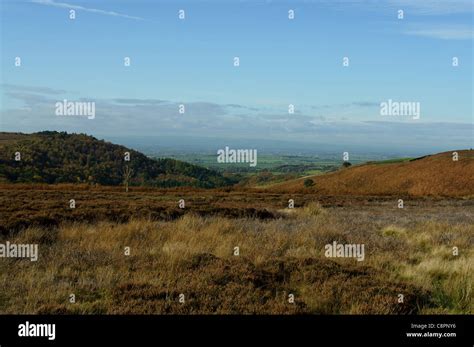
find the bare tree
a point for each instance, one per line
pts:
(127, 173)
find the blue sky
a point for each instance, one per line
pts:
(282, 61)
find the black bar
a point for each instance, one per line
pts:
(244, 330)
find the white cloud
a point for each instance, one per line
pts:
(155, 117)
(417, 7)
(434, 7)
(446, 33)
(82, 8)
(31, 89)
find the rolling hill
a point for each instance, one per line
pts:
(58, 157)
(433, 175)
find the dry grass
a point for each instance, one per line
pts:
(194, 256)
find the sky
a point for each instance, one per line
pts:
(283, 61)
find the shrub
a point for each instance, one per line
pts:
(308, 182)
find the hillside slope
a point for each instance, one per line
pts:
(58, 157)
(434, 175)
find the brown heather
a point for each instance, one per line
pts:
(433, 175)
(193, 255)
